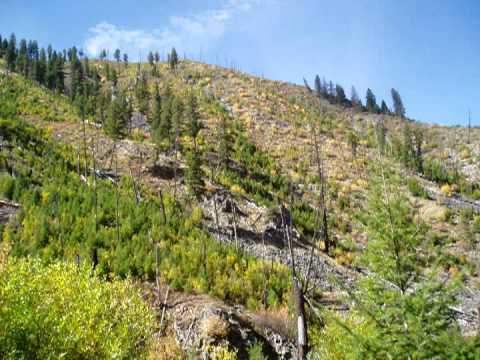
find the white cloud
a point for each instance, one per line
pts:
(187, 33)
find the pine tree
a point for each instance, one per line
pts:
(103, 54)
(117, 55)
(125, 60)
(405, 309)
(331, 90)
(155, 115)
(340, 97)
(117, 117)
(192, 117)
(371, 102)
(11, 52)
(177, 113)
(162, 130)
(224, 147)
(151, 58)
(318, 86)
(408, 150)
(381, 133)
(157, 57)
(76, 73)
(142, 94)
(398, 107)
(194, 174)
(418, 154)
(355, 99)
(42, 67)
(173, 59)
(384, 108)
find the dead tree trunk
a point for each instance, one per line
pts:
(78, 159)
(117, 195)
(234, 218)
(322, 199)
(162, 204)
(135, 189)
(215, 209)
(84, 141)
(298, 292)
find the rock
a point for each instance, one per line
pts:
(198, 325)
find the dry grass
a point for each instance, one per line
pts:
(167, 348)
(277, 320)
(215, 327)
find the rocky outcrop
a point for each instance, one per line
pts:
(200, 323)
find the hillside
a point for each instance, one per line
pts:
(286, 182)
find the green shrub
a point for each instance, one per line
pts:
(416, 188)
(7, 186)
(65, 311)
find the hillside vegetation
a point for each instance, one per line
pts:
(272, 196)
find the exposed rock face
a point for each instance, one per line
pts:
(259, 233)
(7, 210)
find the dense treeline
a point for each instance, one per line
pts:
(336, 94)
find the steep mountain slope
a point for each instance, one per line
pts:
(273, 160)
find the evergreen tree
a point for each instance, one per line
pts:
(114, 77)
(192, 117)
(177, 119)
(42, 67)
(2, 51)
(405, 310)
(4, 45)
(151, 58)
(11, 52)
(381, 132)
(331, 90)
(371, 102)
(21, 65)
(125, 60)
(117, 55)
(384, 108)
(318, 86)
(103, 54)
(408, 151)
(155, 115)
(340, 97)
(398, 107)
(157, 57)
(117, 117)
(355, 99)
(193, 173)
(162, 130)
(224, 146)
(142, 94)
(173, 59)
(418, 154)
(76, 73)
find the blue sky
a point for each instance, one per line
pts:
(428, 49)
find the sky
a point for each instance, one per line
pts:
(429, 50)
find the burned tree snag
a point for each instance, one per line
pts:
(322, 199)
(117, 194)
(298, 291)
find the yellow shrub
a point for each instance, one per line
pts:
(221, 353)
(237, 189)
(447, 190)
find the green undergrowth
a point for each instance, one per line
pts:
(57, 220)
(65, 311)
(22, 97)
